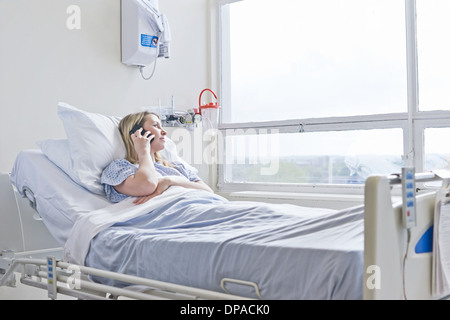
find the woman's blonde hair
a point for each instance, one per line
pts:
(125, 126)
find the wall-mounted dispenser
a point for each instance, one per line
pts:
(145, 33)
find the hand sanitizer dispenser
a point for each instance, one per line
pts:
(145, 32)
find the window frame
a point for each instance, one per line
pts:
(413, 122)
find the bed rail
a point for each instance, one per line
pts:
(73, 280)
(393, 268)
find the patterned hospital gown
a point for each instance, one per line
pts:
(118, 170)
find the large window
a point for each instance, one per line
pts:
(316, 58)
(329, 92)
(331, 157)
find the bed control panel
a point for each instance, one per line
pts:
(51, 274)
(409, 197)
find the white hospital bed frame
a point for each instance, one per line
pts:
(403, 273)
(385, 247)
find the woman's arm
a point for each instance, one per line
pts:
(145, 181)
(167, 181)
(183, 182)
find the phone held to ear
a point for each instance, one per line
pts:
(136, 128)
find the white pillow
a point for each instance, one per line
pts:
(57, 150)
(94, 142)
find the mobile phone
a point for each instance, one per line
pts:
(136, 128)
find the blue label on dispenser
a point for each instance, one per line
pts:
(149, 41)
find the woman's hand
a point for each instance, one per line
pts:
(164, 183)
(141, 142)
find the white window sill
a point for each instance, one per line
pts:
(322, 200)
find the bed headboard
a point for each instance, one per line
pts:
(21, 229)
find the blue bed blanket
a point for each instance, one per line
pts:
(197, 238)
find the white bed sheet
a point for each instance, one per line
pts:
(290, 252)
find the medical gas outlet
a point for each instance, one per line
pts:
(189, 119)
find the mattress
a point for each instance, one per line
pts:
(60, 200)
(199, 238)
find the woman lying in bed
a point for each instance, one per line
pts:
(144, 173)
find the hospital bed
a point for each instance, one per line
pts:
(194, 245)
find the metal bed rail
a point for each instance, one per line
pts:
(73, 280)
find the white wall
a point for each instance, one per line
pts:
(43, 62)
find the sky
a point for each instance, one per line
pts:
(320, 58)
